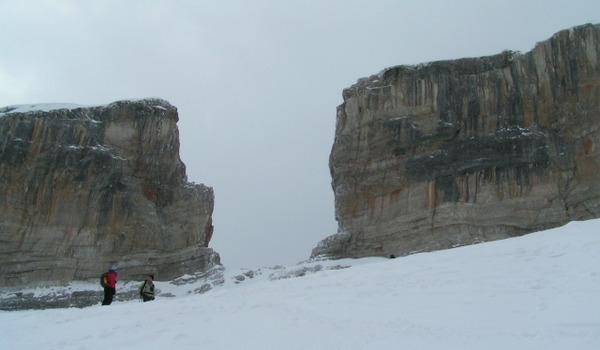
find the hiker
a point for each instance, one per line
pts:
(110, 287)
(147, 289)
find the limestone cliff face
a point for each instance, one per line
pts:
(82, 189)
(451, 153)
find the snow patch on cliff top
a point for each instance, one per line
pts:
(42, 107)
(47, 107)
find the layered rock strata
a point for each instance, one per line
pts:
(85, 188)
(451, 153)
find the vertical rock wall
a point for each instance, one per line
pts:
(82, 189)
(451, 153)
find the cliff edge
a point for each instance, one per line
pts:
(451, 153)
(85, 188)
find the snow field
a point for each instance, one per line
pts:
(539, 291)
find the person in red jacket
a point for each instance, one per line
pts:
(111, 289)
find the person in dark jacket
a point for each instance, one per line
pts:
(111, 288)
(147, 289)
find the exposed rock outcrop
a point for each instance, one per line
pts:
(85, 188)
(452, 153)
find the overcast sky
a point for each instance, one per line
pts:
(256, 84)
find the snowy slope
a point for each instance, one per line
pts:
(540, 291)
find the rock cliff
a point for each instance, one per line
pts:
(451, 153)
(85, 188)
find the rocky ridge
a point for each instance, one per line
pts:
(452, 153)
(85, 188)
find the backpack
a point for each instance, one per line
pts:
(104, 280)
